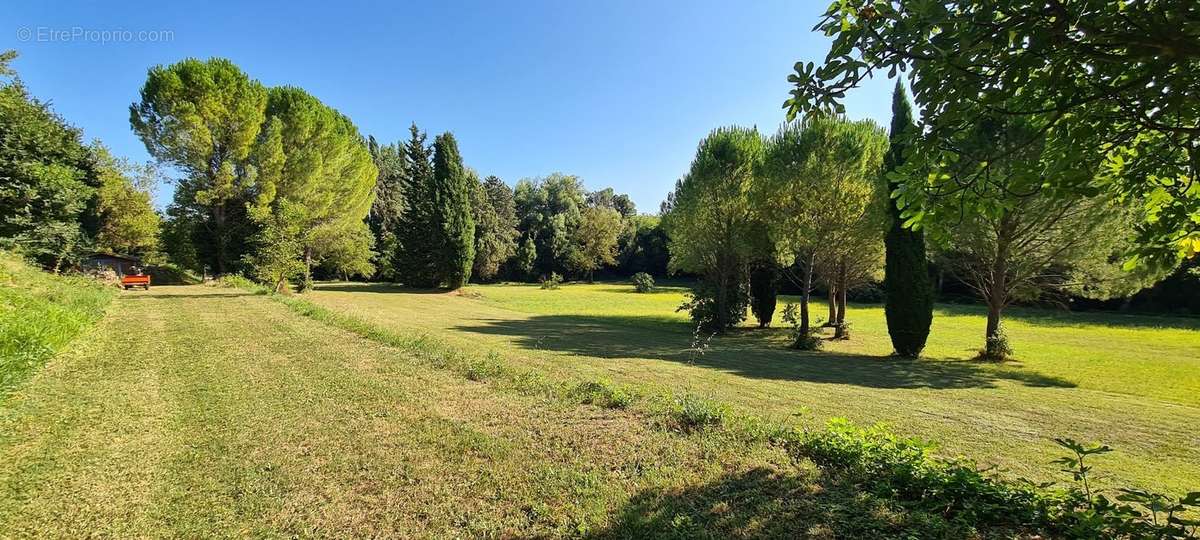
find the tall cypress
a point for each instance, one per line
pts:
(454, 249)
(909, 304)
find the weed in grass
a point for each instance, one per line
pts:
(694, 413)
(603, 394)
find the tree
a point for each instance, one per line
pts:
(595, 241)
(712, 221)
(550, 209)
(644, 249)
(203, 117)
(496, 232)
(610, 199)
(128, 223)
(764, 286)
(908, 305)
(1038, 241)
(526, 259)
(818, 196)
(387, 211)
(347, 252)
(278, 244)
(414, 263)
(1100, 84)
(47, 177)
(454, 234)
(313, 156)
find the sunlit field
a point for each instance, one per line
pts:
(1132, 382)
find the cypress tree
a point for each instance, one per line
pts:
(764, 281)
(454, 231)
(909, 304)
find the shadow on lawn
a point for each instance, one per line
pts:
(762, 503)
(749, 354)
(359, 287)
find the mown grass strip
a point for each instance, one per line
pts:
(900, 469)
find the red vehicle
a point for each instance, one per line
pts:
(136, 279)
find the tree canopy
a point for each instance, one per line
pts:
(712, 220)
(1108, 89)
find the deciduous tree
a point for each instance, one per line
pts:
(595, 240)
(1107, 88)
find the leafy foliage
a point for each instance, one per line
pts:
(552, 282)
(47, 177)
(819, 198)
(204, 117)
(128, 223)
(278, 245)
(1098, 82)
(595, 241)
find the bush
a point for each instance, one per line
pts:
(551, 283)
(803, 341)
(643, 282)
(703, 307)
(996, 348)
(871, 293)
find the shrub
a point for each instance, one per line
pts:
(703, 306)
(552, 282)
(803, 341)
(643, 282)
(996, 348)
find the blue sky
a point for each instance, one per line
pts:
(617, 92)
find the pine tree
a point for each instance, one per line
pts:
(387, 212)
(454, 230)
(413, 261)
(909, 304)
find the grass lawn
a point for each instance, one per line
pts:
(194, 412)
(1128, 381)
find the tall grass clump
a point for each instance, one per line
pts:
(40, 313)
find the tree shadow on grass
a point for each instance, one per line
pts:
(746, 354)
(148, 295)
(762, 503)
(1062, 318)
(388, 288)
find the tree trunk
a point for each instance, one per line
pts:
(219, 226)
(806, 295)
(839, 327)
(997, 296)
(833, 311)
(307, 284)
